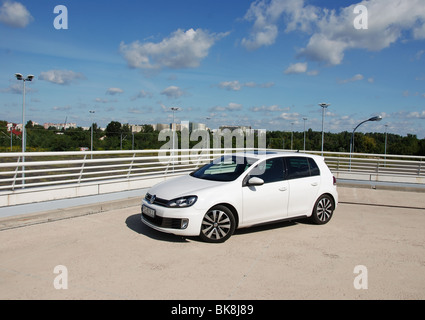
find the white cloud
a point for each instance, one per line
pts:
(236, 85)
(17, 88)
(232, 106)
(266, 15)
(100, 100)
(263, 108)
(296, 68)
(416, 114)
(142, 94)
(172, 92)
(332, 32)
(63, 77)
(15, 14)
(182, 49)
(289, 116)
(230, 85)
(356, 77)
(114, 91)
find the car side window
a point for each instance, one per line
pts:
(301, 167)
(270, 170)
(314, 169)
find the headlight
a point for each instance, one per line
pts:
(182, 202)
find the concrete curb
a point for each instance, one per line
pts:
(60, 214)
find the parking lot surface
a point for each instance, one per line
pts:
(373, 248)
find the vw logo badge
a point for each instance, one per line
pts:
(152, 199)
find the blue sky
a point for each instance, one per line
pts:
(265, 63)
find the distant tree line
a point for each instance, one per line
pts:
(118, 136)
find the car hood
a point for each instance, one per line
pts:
(182, 186)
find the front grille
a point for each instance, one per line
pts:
(171, 223)
(158, 201)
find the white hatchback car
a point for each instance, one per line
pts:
(242, 190)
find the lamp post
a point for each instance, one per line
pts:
(28, 78)
(324, 106)
(385, 147)
(91, 139)
(376, 118)
(173, 127)
(292, 136)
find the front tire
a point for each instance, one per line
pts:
(323, 210)
(218, 224)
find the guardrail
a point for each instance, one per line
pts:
(41, 176)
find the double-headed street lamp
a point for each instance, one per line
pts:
(28, 78)
(376, 118)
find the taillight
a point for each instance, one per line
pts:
(334, 180)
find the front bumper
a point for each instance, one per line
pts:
(178, 221)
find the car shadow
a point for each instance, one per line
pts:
(134, 223)
(267, 226)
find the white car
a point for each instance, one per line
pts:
(242, 190)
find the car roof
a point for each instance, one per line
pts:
(259, 154)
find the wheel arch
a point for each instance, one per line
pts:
(231, 208)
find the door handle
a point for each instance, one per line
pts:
(283, 189)
(315, 184)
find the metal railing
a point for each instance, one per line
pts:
(396, 165)
(56, 170)
(41, 169)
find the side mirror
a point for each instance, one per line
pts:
(255, 181)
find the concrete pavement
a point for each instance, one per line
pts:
(112, 255)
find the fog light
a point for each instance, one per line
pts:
(184, 223)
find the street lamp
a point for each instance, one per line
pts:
(385, 148)
(292, 136)
(376, 118)
(173, 128)
(91, 140)
(28, 78)
(305, 119)
(324, 106)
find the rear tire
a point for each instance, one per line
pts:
(218, 224)
(323, 210)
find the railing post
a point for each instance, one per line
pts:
(16, 174)
(82, 169)
(131, 166)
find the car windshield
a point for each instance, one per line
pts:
(226, 168)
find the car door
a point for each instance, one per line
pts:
(303, 176)
(269, 201)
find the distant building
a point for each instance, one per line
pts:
(14, 128)
(135, 128)
(138, 128)
(231, 128)
(161, 126)
(60, 126)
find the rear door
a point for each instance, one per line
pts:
(303, 176)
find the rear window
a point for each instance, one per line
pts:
(301, 167)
